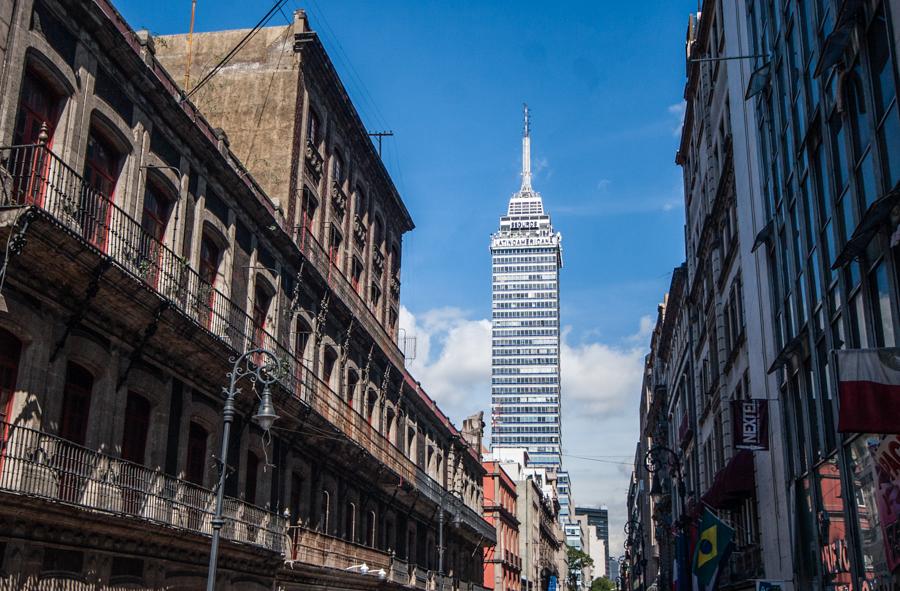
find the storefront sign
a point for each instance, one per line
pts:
(768, 586)
(887, 496)
(751, 424)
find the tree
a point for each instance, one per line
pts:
(602, 584)
(577, 561)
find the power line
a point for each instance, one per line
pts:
(240, 45)
(598, 460)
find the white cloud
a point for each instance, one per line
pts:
(598, 379)
(453, 359)
(600, 391)
(678, 109)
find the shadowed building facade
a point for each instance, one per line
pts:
(144, 256)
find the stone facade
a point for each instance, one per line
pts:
(144, 257)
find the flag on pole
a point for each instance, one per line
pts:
(869, 389)
(714, 544)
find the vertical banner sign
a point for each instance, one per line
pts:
(750, 424)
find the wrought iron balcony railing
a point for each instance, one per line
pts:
(37, 464)
(34, 176)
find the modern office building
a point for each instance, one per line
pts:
(527, 257)
(598, 520)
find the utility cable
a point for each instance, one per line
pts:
(240, 45)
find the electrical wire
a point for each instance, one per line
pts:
(240, 45)
(590, 459)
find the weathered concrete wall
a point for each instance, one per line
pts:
(253, 98)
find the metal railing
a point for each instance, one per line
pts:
(37, 464)
(34, 176)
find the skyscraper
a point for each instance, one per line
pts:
(525, 391)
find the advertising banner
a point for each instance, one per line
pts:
(750, 424)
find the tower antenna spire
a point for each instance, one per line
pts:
(526, 153)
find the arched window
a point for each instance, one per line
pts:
(390, 425)
(252, 476)
(296, 497)
(371, 402)
(210, 259)
(411, 544)
(261, 302)
(325, 512)
(377, 234)
(76, 405)
(157, 208)
(308, 207)
(361, 203)
(328, 363)
(411, 443)
(389, 530)
(137, 427)
(313, 129)
(154, 219)
(39, 105)
(350, 522)
(352, 382)
(370, 529)
(195, 466)
(337, 169)
(302, 340)
(395, 260)
(101, 173)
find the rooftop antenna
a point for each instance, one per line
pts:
(190, 40)
(526, 153)
(407, 344)
(380, 135)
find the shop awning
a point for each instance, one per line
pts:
(733, 483)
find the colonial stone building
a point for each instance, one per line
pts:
(142, 256)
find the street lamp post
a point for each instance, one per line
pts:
(657, 459)
(660, 457)
(265, 372)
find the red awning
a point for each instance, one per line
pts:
(733, 483)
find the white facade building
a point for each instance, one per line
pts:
(525, 393)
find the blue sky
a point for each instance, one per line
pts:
(604, 82)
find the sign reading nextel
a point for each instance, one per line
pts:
(751, 424)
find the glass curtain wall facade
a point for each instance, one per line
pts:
(829, 135)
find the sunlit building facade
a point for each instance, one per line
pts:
(527, 256)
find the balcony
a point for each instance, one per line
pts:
(338, 199)
(36, 182)
(36, 464)
(395, 287)
(359, 230)
(314, 160)
(378, 262)
(308, 547)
